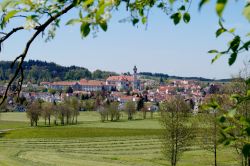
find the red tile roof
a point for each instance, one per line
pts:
(44, 83)
(120, 78)
(64, 83)
(91, 82)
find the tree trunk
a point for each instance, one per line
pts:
(67, 119)
(144, 114)
(62, 120)
(73, 119)
(49, 120)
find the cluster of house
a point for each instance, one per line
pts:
(113, 83)
(125, 88)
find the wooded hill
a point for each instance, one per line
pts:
(37, 71)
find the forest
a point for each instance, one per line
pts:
(37, 71)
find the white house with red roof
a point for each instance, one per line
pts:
(82, 85)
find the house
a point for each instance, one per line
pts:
(82, 85)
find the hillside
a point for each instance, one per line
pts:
(37, 71)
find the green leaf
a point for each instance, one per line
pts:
(161, 5)
(246, 150)
(248, 93)
(182, 8)
(88, 3)
(235, 43)
(100, 11)
(5, 4)
(232, 58)
(186, 17)
(213, 104)
(144, 20)
(203, 2)
(85, 29)
(73, 21)
(135, 21)
(141, 12)
(10, 14)
(232, 30)
(231, 113)
(171, 1)
(80, 14)
(176, 17)
(246, 12)
(103, 25)
(220, 31)
(248, 81)
(222, 119)
(220, 6)
(213, 51)
(216, 57)
(245, 46)
(248, 131)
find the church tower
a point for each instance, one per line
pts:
(135, 86)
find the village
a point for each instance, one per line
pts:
(122, 88)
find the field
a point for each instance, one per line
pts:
(93, 143)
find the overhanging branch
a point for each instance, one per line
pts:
(39, 29)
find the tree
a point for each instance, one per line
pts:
(69, 90)
(140, 104)
(47, 111)
(63, 112)
(177, 134)
(130, 109)
(144, 112)
(52, 91)
(113, 111)
(235, 122)
(56, 113)
(214, 106)
(103, 112)
(75, 104)
(34, 112)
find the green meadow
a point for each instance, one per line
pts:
(93, 143)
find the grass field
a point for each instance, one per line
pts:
(92, 143)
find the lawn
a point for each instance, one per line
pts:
(93, 143)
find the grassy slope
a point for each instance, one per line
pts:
(92, 143)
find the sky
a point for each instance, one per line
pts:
(163, 47)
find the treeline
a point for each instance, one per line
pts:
(158, 75)
(166, 76)
(66, 113)
(37, 71)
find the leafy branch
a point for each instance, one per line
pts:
(21, 57)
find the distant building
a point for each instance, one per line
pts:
(125, 82)
(82, 85)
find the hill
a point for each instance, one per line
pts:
(37, 71)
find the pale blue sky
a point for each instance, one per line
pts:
(176, 50)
